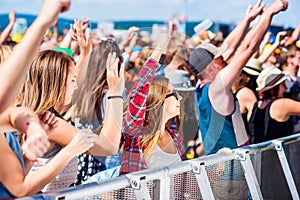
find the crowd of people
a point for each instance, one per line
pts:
(83, 106)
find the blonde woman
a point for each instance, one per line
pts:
(55, 74)
(152, 102)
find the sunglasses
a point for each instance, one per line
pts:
(175, 94)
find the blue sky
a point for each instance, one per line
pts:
(226, 11)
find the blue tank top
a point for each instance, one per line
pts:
(216, 130)
(13, 141)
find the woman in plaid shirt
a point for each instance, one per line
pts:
(148, 143)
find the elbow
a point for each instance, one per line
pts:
(21, 192)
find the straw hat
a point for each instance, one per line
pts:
(269, 78)
(253, 67)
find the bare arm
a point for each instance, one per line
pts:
(20, 185)
(282, 109)
(26, 121)
(279, 40)
(13, 71)
(294, 36)
(6, 32)
(220, 89)
(234, 39)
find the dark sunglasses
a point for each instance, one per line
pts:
(175, 94)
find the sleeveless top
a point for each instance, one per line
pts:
(13, 141)
(217, 131)
(264, 128)
(158, 155)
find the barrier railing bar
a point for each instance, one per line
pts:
(202, 180)
(164, 192)
(156, 174)
(139, 185)
(250, 175)
(279, 147)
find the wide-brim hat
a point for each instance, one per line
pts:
(253, 67)
(269, 78)
(180, 80)
(204, 54)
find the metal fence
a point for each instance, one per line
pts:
(269, 170)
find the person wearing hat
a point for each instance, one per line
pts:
(244, 89)
(217, 109)
(271, 114)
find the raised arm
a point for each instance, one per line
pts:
(279, 40)
(13, 71)
(6, 32)
(234, 39)
(110, 135)
(220, 91)
(294, 36)
(135, 115)
(85, 45)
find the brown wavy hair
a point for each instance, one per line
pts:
(89, 107)
(45, 86)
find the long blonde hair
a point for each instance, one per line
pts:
(5, 52)
(154, 112)
(45, 87)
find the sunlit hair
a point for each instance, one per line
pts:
(5, 51)
(154, 112)
(45, 87)
(89, 106)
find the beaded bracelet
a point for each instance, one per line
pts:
(27, 123)
(115, 97)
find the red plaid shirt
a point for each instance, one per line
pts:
(134, 128)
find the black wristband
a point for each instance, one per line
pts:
(114, 97)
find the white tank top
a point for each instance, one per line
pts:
(159, 158)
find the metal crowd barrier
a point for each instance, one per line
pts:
(269, 170)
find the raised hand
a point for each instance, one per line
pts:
(12, 16)
(278, 6)
(36, 143)
(256, 10)
(115, 77)
(280, 39)
(50, 10)
(82, 142)
(84, 40)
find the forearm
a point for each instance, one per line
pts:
(21, 117)
(234, 39)
(6, 32)
(294, 36)
(13, 71)
(256, 34)
(110, 135)
(266, 54)
(36, 180)
(66, 43)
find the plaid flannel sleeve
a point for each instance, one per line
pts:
(135, 115)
